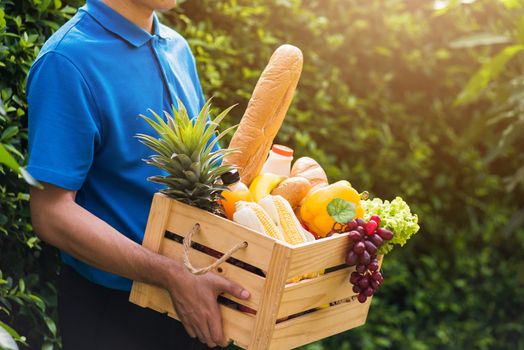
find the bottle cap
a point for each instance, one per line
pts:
(230, 177)
(282, 150)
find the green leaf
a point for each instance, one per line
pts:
(51, 325)
(7, 337)
(488, 72)
(2, 110)
(8, 159)
(9, 133)
(341, 210)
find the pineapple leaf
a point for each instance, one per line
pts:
(183, 148)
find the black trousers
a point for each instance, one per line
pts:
(95, 317)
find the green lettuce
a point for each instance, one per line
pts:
(396, 217)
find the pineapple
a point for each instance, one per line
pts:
(184, 150)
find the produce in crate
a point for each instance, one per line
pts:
(236, 191)
(263, 184)
(273, 216)
(265, 112)
(367, 239)
(314, 213)
(184, 150)
(253, 216)
(282, 214)
(395, 216)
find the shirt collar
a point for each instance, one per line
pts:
(121, 26)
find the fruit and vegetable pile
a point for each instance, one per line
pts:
(296, 216)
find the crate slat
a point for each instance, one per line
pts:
(315, 292)
(273, 289)
(317, 255)
(237, 325)
(319, 324)
(250, 281)
(221, 234)
(156, 222)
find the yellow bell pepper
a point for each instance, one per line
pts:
(314, 209)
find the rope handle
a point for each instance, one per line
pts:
(203, 270)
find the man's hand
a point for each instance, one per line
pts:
(195, 301)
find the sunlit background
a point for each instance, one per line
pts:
(421, 99)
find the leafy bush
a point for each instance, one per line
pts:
(375, 105)
(27, 269)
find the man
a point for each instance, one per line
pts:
(111, 62)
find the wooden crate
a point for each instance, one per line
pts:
(271, 296)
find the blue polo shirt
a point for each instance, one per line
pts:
(85, 90)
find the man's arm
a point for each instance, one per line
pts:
(59, 221)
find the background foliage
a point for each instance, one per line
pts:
(402, 97)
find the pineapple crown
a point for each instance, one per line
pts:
(184, 149)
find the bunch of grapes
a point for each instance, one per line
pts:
(365, 239)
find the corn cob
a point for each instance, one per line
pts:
(281, 212)
(252, 215)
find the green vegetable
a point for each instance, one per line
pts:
(396, 217)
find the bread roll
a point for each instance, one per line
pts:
(293, 189)
(265, 112)
(309, 168)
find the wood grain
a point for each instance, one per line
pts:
(319, 324)
(153, 236)
(250, 281)
(318, 255)
(221, 234)
(315, 292)
(271, 296)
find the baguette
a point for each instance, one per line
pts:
(265, 112)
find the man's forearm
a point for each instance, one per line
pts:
(76, 231)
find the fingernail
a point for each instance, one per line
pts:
(244, 294)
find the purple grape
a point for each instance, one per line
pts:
(355, 277)
(351, 258)
(369, 292)
(362, 231)
(370, 247)
(374, 284)
(351, 225)
(377, 276)
(354, 236)
(361, 268)
(385, 234)
(361, 222)
(362, 298)
(363, 283)
(359, 248)
(376, 240)
(356, 289)
(373, 265)
(364, 258)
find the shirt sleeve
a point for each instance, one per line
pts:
(63, 128)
